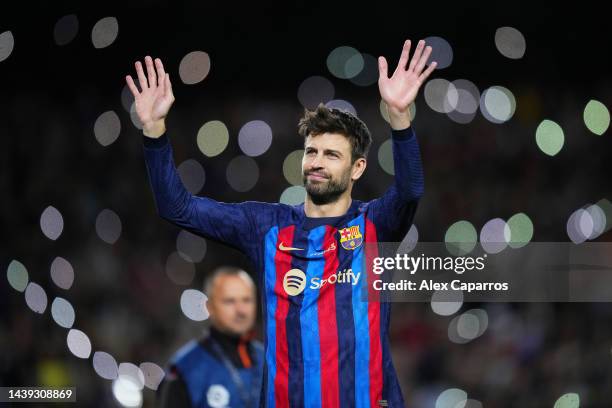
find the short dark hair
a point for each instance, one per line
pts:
(324, 119)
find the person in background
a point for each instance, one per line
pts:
(225, 367)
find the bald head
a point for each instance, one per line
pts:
(225, 271)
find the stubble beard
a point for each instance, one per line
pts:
(328, 191)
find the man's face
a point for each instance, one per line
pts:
(326, 166)
(232, 304)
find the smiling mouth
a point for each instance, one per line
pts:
(315, 176)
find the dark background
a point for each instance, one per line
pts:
(50, 97)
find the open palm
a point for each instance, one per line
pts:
(401, 89)
(155, 97)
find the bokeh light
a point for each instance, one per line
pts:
(127, 99)
(441, 95)
(105, 365)
(134, 117)
(213, 138)
(132, 371)
(596, 117)
(255, 138)
(572, 231)
(342, 105)
(293, 195)
(510, 42)
(104, 32)
(599, 220)
(441, 52)
(569, 400)
(194, 67)
(190, 247)
(107, 128)
(126, 392)
(497, 104)
(314, 90)
(471, 324)
(385, 156)
(7, 43)
(460, 238)
(51, 223)
(369, 74)
(550, 137)
(521, 230)
(586, 223)
(127, 388)
(193, 305)
(579, 226)
(483, 320)
(468, 101)
(451, 398)
(36, 298)
(17, 275)
(345, 62)
(62, 273)
(453, 333)
(108, 226)
(446, 302)
(494, 236)
(192, 175)
(78, 343)
(354, 66)
(242, 173)
(180, 271)
(468, 326)
(410, 241)
(66, 29)
(62, 312)
(292, 167)
(153, 374)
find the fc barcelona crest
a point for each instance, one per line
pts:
(351, 237)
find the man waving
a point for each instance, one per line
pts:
(326, 345)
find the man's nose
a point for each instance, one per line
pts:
(241, 309)
(316, 162)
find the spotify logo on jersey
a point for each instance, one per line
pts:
(294, 282)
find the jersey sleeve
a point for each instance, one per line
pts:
(393, 213)
(229, 223)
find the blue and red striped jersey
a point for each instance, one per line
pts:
(326, 335)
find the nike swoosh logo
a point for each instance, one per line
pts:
(282, 247)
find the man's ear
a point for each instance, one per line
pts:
(358, 168)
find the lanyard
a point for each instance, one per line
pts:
(246, 396)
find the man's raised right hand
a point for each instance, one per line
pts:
(154, 99)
